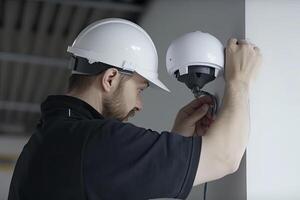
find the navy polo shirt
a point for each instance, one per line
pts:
(102, 158)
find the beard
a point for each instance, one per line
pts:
(114, 106)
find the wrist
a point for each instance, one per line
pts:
(237, 85)
(181, 132)
(236, 94)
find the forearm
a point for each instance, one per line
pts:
(230, 132)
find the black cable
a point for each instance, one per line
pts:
(198, 93)
(204, 193)
(215, 101)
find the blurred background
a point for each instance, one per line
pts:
(33, 60)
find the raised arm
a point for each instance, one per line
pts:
(226, 140)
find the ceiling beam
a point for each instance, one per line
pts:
(20, 106)
(33, 59)
(111, 5)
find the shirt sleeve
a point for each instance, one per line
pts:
(123, 161)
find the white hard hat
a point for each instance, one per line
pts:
(195, 49)
(118, 43)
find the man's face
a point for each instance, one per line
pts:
(126, 99)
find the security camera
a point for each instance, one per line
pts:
(196, 59)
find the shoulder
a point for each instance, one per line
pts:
(112, 131)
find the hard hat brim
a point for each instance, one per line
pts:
(160, 85)
(154, 80)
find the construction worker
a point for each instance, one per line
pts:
(83, 148)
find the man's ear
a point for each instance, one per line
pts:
(110, 79)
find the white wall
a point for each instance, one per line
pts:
(273, 156)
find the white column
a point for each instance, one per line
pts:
(273, 156)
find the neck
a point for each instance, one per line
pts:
(93, 98)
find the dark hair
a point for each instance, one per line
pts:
(82, 82)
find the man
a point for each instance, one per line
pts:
(83, 149)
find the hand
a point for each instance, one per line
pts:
(191, 116)
(242, 61)
(203, 124)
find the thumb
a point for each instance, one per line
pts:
(199, 113)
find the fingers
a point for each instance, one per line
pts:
(196, 103)
(199, 113)
(243, 42)
(232, 42)
(203, 125)
(250, 44)
(257, 50)
(201, 128)
(246, 44)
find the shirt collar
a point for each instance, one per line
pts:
(57, 104)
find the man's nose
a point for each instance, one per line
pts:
(139, 105)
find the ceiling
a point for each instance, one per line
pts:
(34, 35)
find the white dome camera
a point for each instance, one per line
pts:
(196, 59)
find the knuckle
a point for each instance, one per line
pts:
(231, 41)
